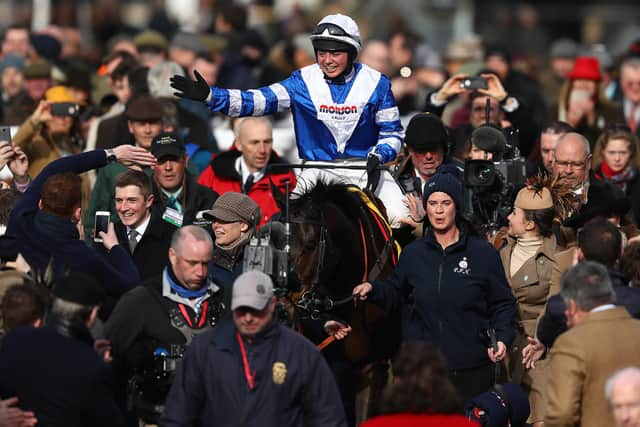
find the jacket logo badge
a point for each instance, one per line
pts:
(463, 267)
(279, 371)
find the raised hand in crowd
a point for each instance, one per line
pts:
(133, 156)
(10, 416)
(6, 153)
(581, 105)
(42, 113)
(494, 87)
(19, 166)
(453, 86)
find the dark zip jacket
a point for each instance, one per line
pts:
(451, 297)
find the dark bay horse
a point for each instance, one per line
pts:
(339, 239)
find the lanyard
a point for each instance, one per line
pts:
(245, 363)
(203, 314)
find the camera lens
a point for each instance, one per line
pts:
(484, 174)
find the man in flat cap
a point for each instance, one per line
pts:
(160, 317)
(72, 385)
(272, 375)
(144, 118)
(234, 218)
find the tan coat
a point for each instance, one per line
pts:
(581, 361)
(530, 286)
(40, 147)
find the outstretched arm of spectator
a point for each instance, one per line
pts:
(12, 416)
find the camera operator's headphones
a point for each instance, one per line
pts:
(426, 131)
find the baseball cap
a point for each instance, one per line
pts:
(167, 144)
(253, 289)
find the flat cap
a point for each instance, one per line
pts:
(144, 107)
(233, 207)
(150, 39)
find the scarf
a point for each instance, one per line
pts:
(523, 250)
(181, 290)
(619, 179)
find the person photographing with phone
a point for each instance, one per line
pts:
(51, 131)
(582, 102)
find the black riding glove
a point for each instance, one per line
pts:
(373, 172)
(197, 90)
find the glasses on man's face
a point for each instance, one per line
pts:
(566, 164)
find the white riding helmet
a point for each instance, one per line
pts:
(337, 33)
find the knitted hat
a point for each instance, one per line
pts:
(233, 207)
(144, 107)
(586, 68)
(532, 199)
(11, 60)
(563, 48)
(426, 132)
(252, 289)
(79, 288)
(445, 180)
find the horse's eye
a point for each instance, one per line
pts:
(308, 246)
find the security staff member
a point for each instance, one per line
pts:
(161, 316)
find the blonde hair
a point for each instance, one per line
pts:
(617, 133)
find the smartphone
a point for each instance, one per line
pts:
(102, 224)
(5, 134)
(579, 95)
(64, 109)
(475, 82)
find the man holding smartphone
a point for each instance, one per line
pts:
(46, 220)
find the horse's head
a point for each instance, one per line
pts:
(322, 235)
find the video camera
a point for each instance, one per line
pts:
(148, 389)
(493, 183)
(268, 252)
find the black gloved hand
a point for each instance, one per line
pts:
(373, 172)
(197, 90)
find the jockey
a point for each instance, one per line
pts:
(344, 112)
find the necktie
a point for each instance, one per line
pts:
(632, 122)
(171, 202)
(248, 184)
(133, 241)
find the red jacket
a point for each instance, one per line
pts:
(221, 176)
(420, 420)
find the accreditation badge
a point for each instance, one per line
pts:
(279, 371)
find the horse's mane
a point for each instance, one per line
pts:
(314, 199)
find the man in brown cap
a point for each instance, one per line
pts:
(144, 116)
(234, 219)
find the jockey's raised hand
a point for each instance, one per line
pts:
(197, 89)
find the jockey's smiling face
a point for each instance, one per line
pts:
(332, 63)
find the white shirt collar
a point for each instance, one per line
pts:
(141, 228)
(243, 170)
(603, 308)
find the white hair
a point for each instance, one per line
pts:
(585, 142)
(631, 373)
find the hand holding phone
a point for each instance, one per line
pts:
(101, 224)
(473, 83)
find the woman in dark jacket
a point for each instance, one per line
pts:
(451, 290)
(234, 218)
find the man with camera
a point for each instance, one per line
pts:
(152, 324)
(251, 370)
(49, 133)
(504, 108)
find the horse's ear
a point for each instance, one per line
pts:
(279, 196)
